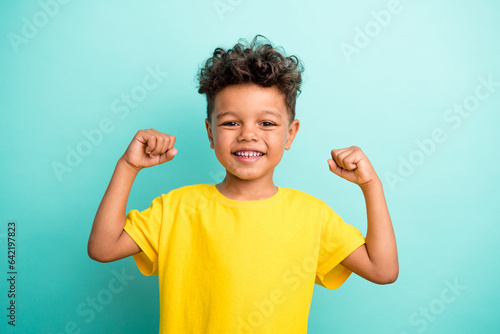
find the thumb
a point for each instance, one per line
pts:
(171, 153)
(167, 156)
(334, 168)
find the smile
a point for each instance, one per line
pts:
(248, 157)
(248, 154)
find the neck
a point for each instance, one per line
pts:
(247, 190)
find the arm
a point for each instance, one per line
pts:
(108, 241)
(377, 259)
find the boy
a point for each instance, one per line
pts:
(242, 256)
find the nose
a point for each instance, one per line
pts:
(248, 132)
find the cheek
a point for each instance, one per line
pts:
(281, 139)
(275, 142)
(221, 140)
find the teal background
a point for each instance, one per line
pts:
(395, 91)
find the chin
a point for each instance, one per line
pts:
(247, 177)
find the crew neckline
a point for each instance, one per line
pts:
(245, 204)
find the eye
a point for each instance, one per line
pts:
(267, 124)
(230, 123)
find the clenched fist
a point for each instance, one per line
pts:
(353, 165)
(150, 148)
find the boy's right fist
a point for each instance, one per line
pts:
(149, 148)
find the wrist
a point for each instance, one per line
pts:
(374, 184)
(124, 164)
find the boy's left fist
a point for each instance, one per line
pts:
(353, 165)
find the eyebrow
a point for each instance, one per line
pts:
(229, 113)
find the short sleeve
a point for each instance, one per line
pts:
(144, 228)
(338, 240)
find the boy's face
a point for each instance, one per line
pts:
(250, 129)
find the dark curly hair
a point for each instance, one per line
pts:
(259, 63)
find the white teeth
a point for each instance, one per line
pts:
(249, 154)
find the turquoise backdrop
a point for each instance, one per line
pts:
(415, 84)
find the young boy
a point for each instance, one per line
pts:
(242, 256)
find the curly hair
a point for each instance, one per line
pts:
(259, 63)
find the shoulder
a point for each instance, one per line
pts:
(294, 195)
(194, 188)
(306, 205)
(190, 192)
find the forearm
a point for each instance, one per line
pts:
(380, 238)
(111, 214)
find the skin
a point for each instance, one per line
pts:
(247, 116)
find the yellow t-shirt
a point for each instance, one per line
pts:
(228, 266)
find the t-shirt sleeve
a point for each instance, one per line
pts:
(338, 240)
(144, 228)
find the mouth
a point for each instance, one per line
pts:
(248, 156)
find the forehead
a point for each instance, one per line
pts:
(249, 99)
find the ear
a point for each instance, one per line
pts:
(209, 133)
(292, 131)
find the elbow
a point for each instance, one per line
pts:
(97, 255)
(388, 277)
